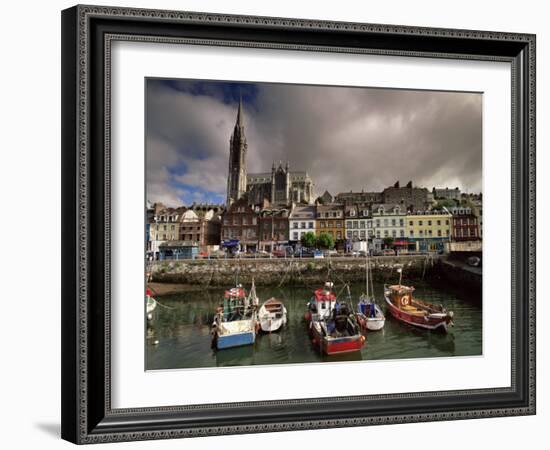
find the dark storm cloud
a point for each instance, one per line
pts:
(346, 138)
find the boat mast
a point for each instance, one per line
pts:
(367, 273)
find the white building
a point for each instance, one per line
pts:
(301, 221)
(389, 221)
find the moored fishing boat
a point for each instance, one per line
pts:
(272, 315)
(332, 325)
(235, 322)
(405, 308)
(369, 314)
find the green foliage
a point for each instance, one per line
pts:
(388, 242)
(309, 240)
(325, 240)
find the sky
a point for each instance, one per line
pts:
(346, 138)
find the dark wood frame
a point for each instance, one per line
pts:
(87, 32)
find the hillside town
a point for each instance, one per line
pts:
(277, 213)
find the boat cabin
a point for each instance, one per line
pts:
(235, 304)
(323, 302)
(401, 296)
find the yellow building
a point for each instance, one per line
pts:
(428, 231)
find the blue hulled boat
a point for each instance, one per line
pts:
(235, 323)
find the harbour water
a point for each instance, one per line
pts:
(179, 334)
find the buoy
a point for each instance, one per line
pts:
(156, 342)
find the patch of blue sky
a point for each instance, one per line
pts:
(227, 92)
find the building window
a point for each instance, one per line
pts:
(348, 234)
(386, 234)
(377, 223)
(401, 223)
(410, 223)
(295, 234)
(420, 222)
(339, 235)
(362, 234)
(439, 233)
(411, 233)
(393, 222)
(394, 233)
(349, 224)
(310, 225)
(362, 224)
(338, 224)
(439, 222)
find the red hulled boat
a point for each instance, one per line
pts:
(415, 312)
(332, 325)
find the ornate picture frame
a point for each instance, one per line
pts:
(87, 35)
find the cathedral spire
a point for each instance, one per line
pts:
(240, 118)
(236, 179)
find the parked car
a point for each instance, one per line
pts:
(318, 254)
(474, 261)
(279, 253)
(388, 252)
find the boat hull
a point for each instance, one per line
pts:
(271, 325)
(336, 345)
(436, 322)
(235, 340)
(375, 324)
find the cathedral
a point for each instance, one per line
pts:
(281, 186)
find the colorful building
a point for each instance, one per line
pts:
(330, 220)
(389, 221)
(163, 227)
(358, 222)
(239, 228)
(301, 221)
(429, 230)
(465, 226)
(273, 228)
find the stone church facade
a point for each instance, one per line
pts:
(281, 186)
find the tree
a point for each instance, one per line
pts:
(309, 240)
(325, 240)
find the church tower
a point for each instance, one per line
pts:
(236, 177)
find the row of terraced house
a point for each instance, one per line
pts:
(203, 229)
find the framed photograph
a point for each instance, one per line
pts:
(283, 224)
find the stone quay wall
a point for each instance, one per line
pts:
(297, 271)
